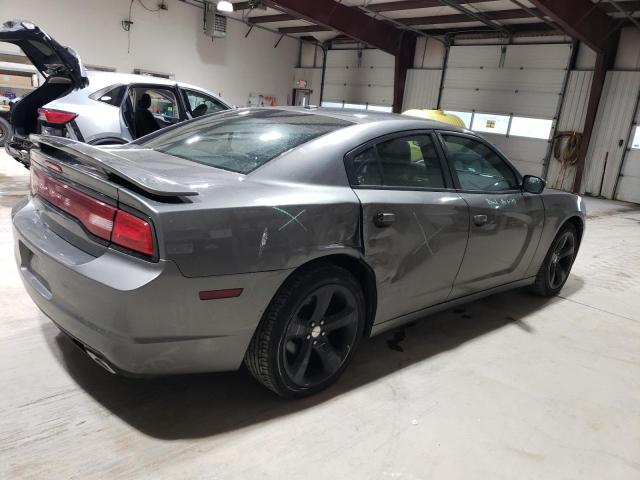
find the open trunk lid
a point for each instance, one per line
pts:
(61, 66)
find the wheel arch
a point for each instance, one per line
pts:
(363, 273)
(578, 223)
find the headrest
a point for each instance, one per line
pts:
(144, 101)
(395, 151)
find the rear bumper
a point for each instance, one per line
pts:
(141, 318)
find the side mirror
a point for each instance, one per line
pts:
(533, 184)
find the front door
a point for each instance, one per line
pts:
(414, 226)
(505, 223)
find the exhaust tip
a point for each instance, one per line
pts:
(100, 362)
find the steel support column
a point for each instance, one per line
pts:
(403, 62)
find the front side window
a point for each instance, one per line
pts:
(410, 161)
(477, 166)
(242, 140)
(200, 104)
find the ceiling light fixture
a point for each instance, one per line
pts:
(224, 6)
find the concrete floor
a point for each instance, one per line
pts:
(512, 386)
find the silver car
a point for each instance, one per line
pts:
(278, 238)
(100, 108)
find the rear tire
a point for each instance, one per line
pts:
(5, 131)
(556, 267)
(309, 332)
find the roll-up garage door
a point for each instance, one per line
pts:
(518, 80)
(629, 183)
(362, 77)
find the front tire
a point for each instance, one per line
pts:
(309, 332)
(557, 264)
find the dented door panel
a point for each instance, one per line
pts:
(417, 256)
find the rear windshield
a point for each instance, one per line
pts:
(241, 141)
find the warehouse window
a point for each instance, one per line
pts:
(530, 127)
(379, 108)
(331, 104)
(486, 122)
(356, 106)
(464, 116)
(635, 144)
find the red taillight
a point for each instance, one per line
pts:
(57, 117)
(96, 216)
(101, 219)
(132, 232)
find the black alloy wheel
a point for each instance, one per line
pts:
(309, 332)
(556, 267)
(561, 260)
(320, 335)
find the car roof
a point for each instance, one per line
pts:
(98, 80)
(355, 116)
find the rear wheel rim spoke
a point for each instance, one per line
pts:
(299, 368)
(339, 320)
(319, 335)
(329, 356)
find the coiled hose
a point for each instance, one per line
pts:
(565, 150)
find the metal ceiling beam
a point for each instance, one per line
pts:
(429, 20)
(302, 28)
(533, 12)
(519, 29)
(281, 17)
(626, 13)
(462, 18)
(350, 21)
(582, 20)
(385, 6)
(480, 17)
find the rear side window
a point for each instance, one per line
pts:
(112, 95)
(410, 162)
(241, 141)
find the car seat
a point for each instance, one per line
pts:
(145, 121)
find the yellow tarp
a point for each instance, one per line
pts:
(436, 115)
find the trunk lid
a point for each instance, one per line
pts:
(138, 180)
(60, 65)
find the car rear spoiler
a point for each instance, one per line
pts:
(112, 164)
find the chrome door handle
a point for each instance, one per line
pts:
(479, 220)
(384, 219)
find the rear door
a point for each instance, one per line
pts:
(414, 226)
(505, 223)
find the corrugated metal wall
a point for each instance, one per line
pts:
(574, 111)
(629, 184)
(422, 88)
(359, 76)
(610, 132)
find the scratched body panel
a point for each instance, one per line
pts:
(499, 251)
(283, 231)
(416, 258)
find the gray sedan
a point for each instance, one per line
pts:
(278, 238)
